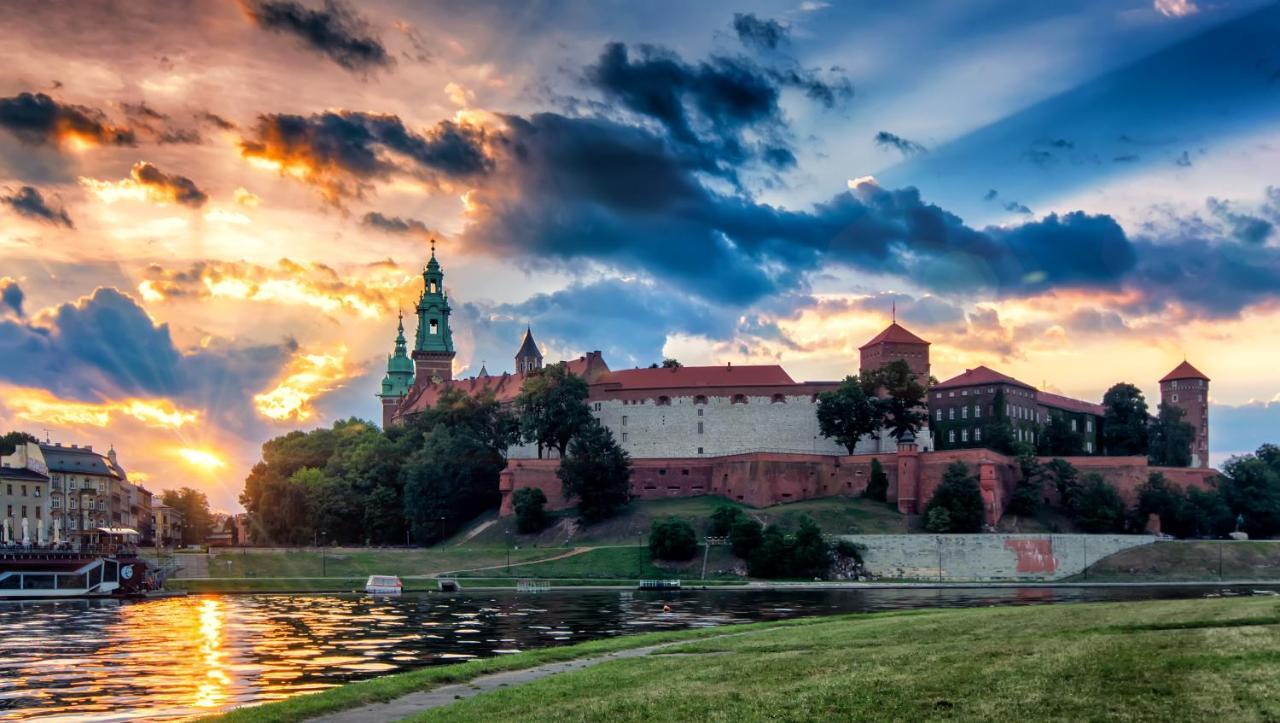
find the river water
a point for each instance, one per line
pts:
(183, 657)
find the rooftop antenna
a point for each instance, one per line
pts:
(46, 436)
(895, 311)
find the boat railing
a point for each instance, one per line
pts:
(64, 550)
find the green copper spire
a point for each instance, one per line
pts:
(433, 311)
(399, 376)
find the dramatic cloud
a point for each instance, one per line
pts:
(1243, 227)
(885, 139)
(150, 123)
(306, 377)
(36, 120)
(148, 183)
(760, 34)
(335, 32)
(39, 406)
(395, 224)
(11, 295)
(342, 152)
(1176, 8)
(368, 292)
(28, 202)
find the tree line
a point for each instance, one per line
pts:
(424, 479)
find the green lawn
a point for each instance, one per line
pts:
(1191, 560)
(358, 562)
(1157, 661)
(628, 563)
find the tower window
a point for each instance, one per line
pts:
(1175, 397)
(435, 326)
(739, 399)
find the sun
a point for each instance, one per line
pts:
(202, 458)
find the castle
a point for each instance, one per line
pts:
(751, 432)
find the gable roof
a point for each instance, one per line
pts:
(505, 388)
(757, 375)
(1057, 401)
(1184, 371)
(895, 333)
(978, 376)
(23, 474)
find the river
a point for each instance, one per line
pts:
(183, 657)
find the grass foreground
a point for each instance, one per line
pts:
(1152, 660)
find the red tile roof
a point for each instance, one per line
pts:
(978, 376)
(1057, 401)
(697, 377)
(1184, 371)
(504, 387)
(895, 333)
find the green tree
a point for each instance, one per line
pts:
(597, 472)
(193, 505)
(1125, 422)
(722, 520)
(810, 554)
(529, 504)
(904, 408)
(1057, 439)
(1171, 437)
(745, 536)
(772, 557)
(450, 480)
(1158, 496)
(1096, 506)
(552, 408)
(1207, 514)
(1029, 491)
(938, 520)
(960, 495)
(1250, 487)
(997, 431)
(849, 412)
(9, 442)
(1064, 477)
(878, 486)
(672, 539)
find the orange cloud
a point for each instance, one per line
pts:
(148, 183)
(38, 405)
(306, 377)
(203, 459)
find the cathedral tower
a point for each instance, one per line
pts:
(528, 358)
(433, 344)
(399, 378)
(1188, 389)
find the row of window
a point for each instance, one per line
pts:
(665, 401)
(35, 492)
(39, 512)
(1188, 384)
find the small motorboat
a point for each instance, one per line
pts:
(383, 585)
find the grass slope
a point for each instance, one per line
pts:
(1191, 560)
(1166, 660)
(359, 562)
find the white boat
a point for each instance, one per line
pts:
(383, 585)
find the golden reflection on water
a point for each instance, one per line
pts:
(213, 689)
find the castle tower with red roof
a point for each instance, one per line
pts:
(1188, 389)
(894, 343)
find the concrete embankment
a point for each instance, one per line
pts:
(987, 557)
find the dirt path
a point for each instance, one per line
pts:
(413, 703)
(570, 553)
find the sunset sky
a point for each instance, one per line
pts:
(210, 212)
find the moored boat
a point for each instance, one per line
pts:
(383, 585)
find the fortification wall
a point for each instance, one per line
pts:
(987, 557)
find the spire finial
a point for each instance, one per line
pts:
(433, 248)
(895, 311)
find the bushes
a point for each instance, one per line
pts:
(878, 485)
(672, 539)
(960, 497)
(745, 536)
(530, 515)
(1096, 506)
(722, 520)
(771, 553)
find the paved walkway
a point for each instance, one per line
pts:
(414, 703)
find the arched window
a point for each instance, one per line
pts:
(435, 326)
(700, 399)
(778, 399)
(663, 401)
(739, 399)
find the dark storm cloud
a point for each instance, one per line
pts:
(1208, 277)
(215, 120)
(29, 202)
(179, 189)
(36, 119)
(926, 312)
(394, 224)
(335, 31)
(106, 346)
(342, 151)
(753, 32)
(1243, 227)
(885, 139)
(11, 295)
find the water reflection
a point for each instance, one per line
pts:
(184, 657)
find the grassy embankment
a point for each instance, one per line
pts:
(613, 551)
(1190, 561)
(1153, 660)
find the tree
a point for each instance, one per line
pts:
(938, 520)
(722, 520)
(9, 442)
(450, 480)
(848, 413)
(1096, 506)
(193, 505)
(1125, 422)
(1158, 496)
(878, 486)
(552, 408)
(528, 503)
(904, 408)
(1065, 478)
(1207, 514)
(1057, 439)
(1171, 438)
(672, 539)
(745, 536)
(1029, 491)
(961, 497)
(597, 472)
(997, 432)
(810, 554)
(771, 557)
(1250, 487)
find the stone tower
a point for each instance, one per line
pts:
(433, 344)
(528, 358)
(894, 343)
(399, 378)
(1188, 389)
